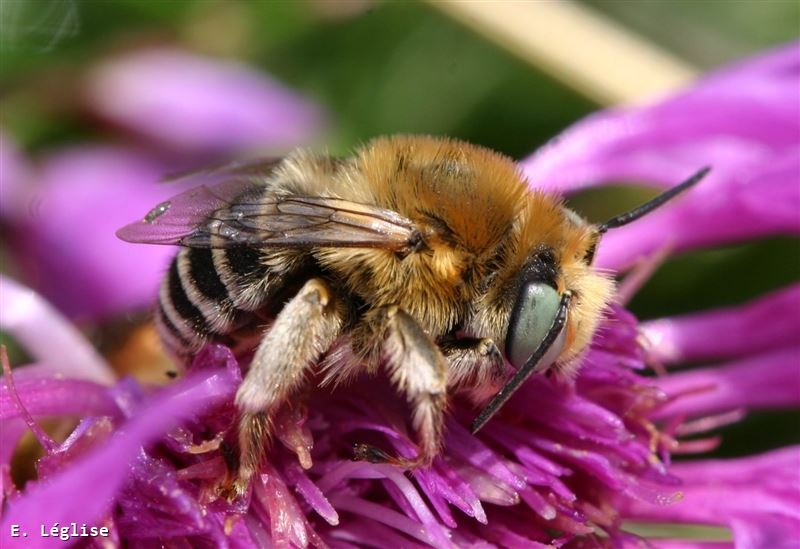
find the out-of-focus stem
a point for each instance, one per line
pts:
(588, 52)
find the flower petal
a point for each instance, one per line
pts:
(65, 241)
(51, 395)
(84, 492)
(312, 494)
(757, 201)
(196, 103)
(744, 122)
(758, 497)
(751, 107)
(153, 504)
(769, 380)
(47, 336)
(685, 544)
(767, 323)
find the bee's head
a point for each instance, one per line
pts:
(554, 302)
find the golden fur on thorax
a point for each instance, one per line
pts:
(470, 193)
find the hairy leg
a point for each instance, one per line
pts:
(303, 330)
(472, 362)
(418, 368)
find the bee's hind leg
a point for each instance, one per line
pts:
(303, 330)
(418, 368)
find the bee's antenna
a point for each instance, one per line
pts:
(647, 207)
(527, 369)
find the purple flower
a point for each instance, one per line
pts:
(198, 104)
(744, 121)
(564, 464)
(64, 229)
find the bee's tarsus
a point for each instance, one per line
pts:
(371, 454)
(233, 488)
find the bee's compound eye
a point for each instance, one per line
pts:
(533, 316)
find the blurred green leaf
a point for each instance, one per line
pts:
(720, 277)
(402, 67)
(708, 33)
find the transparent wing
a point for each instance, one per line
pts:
(236, 213)
(185, 214)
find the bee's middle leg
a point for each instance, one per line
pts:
(418, 368)
(304, 329)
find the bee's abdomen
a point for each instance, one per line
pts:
(207, 295)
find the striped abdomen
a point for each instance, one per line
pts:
(216, 295)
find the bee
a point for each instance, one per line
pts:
(429, 257)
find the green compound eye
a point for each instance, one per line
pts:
(533, 315)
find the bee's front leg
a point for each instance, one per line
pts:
(304, 329)
(418, 368)
(475, 366)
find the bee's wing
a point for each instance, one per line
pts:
(234, 213)
(185, 214)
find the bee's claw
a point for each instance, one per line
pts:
(233, 488)
(373, 454)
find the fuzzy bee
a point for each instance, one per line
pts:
(430, 257)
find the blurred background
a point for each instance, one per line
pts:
(100, 98)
